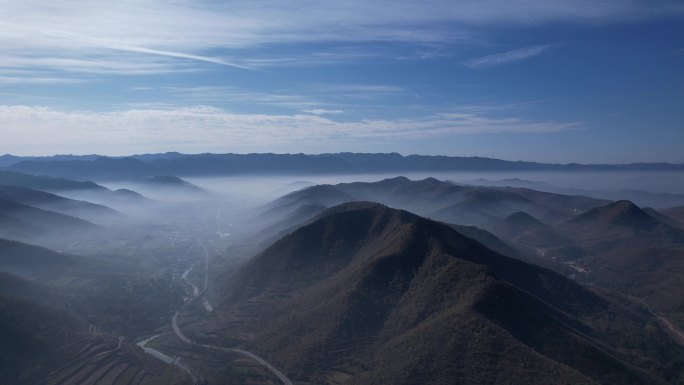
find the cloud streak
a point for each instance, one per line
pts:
(210, 31)
(202, 128)
(508, 57)
(323, 111)
(36, 80)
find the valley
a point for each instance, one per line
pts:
(358, 192)
(337, 284)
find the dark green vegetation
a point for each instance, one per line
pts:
(364, 294)
(615, 245)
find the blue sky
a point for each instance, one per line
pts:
(552, 81)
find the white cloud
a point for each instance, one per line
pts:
(201, 128)
(36, 80)
(221, 95)
(359, 88)
(92, 64)
(323, 111)
(514, 56)
(306, 98)
(124, 33)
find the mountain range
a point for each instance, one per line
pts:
(365, 294)
(137, 166)
(392, 282)
(614, 245)
(448, 202)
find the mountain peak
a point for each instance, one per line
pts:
(355, 206)
(171, 182)
(165, 179)
(626, 220)
(396, 180)
(622, 212)
(624, 205)
(378, 276)
(522, 217)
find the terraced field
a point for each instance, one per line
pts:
(113, 361)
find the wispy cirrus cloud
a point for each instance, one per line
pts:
(93, 64)
(323, 111)
(211, 95)
(312, 97)
(37, 80)
(193, 128)
(218, 33)
(513, 56)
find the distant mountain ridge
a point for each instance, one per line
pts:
(47, 183)
(447, 202)
(138, 166)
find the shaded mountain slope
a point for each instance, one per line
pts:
(122, 295)
(374, 296)
(22, 222)
(78, 190)
(15, 286)
(52, 270)
(654, 274)
(487, 239)
(630, 251)
(29, 260)
(664, 218)
(34, 338)
(676, 212)
(621, 222)
(44, 346)
(524, 229)
(49, 201)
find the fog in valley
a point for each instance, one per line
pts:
(184, 279)
(341, 192)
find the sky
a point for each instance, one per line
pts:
(589, 81)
